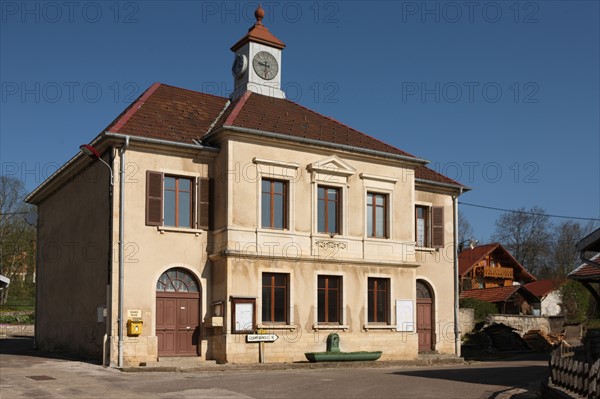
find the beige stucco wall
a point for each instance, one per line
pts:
(299, 251)
(150, 251)
(72, 266)
(229, 260)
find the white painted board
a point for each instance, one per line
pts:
(405, 315)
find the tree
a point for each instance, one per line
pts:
(575, 301)
(465, 230)
(564, 257)
(526, 235)
(17, 237)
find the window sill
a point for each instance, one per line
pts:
(290, 327)
(425, 249)
(368, 327)
(330, 327)
(163, 229)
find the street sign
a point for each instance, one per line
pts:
(261, 338)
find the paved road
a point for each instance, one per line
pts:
(27, 374)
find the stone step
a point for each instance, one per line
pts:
(180, 363)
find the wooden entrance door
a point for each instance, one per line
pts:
(177, 314)
(425, 326)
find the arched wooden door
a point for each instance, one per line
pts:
(178, 313)
(425, 324)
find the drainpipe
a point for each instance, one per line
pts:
(121, 244)
(456, 293)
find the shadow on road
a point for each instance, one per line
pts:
(23, 346)
(519, 377)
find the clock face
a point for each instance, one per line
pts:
(265, 65)
(240, 64)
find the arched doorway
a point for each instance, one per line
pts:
(425, 323)
(178, 313)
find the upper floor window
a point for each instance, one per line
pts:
(429, 226)
(329, 306)
(274, 204)
(329, 209)
(275, 297)
(422, 226)
(378, 304)
(177, 201)
(377, 215)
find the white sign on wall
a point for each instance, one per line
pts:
(244, 316)
(405, 315)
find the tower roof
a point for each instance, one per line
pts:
(259, 33)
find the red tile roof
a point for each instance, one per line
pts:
(185, 116)
(497, 294)
(169, 113)
(468, 258)
(541, 288)
(275, 115)
(259, 33)
(586, 271)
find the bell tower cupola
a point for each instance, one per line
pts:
(257, 61)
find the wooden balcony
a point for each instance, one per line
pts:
(498, 272)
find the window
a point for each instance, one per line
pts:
(328, 210)
(274, 204)
(422, 226)
(176, 280)
(274, 298)
(378, 289)
(377, 215)
(429, 226)
(329, 299)
(177, 201)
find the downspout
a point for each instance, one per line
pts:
(121, 244)
(456, 285)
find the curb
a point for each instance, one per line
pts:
(296, 366)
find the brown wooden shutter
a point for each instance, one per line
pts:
(203, 203)
(437, 227)
(154, 198)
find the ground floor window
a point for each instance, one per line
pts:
(275, 297)
(378, 291)
(329, 304)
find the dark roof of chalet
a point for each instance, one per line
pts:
(541, 288)
(587, 272)
(468, 258)
(496, 294)
(185, 116)
(591, 242)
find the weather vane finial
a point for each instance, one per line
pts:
(259, 14)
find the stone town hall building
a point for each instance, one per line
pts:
(230, 215)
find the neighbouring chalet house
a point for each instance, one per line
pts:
(548, 292)
(490, 273)
(232, 215)
(588, 274)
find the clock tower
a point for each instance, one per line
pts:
(257, 62)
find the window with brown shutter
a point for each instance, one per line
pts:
(437, 233)
(154, 198)
(203, 203)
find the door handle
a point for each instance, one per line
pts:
(188, 327)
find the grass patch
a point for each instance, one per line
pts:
(27, 318)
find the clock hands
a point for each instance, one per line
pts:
(265, 64)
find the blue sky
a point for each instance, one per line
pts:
(500, 95)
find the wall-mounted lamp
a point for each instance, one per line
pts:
(93, 153)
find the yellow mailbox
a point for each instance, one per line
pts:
(134, 327)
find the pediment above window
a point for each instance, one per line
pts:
(332, 169)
